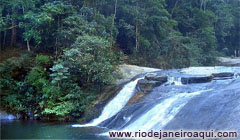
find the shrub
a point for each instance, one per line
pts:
(42, 59)
(59, 72)
(93, 59)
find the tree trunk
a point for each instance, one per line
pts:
(115, 10)
(174, 7)
(205, 4)
(23, 9)
(58, 31)
(13, 35)
(28, 46)
(136, 33)
(0, 41)
(113, 22)
(136, 38)
(201, 4)
(4, 38)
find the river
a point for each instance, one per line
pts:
(172, 106)
(48, 130)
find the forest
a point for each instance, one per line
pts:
(72, 48)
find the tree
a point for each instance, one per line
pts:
(92, 58)
(59, 72)
(224, 22)
(33, 23)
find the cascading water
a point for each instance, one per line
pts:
(161, 113)
(163, 107)
(115, 105)
(174, 80)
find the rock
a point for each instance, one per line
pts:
(226, 61)
(150, 76)
(190, 80)
(90, 113)
(93, 111)
(222, 78)
(155, 77)
(237, 74)
(224, 74)
(127, 72)
(136, 98)
(145, 85)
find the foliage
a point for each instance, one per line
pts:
(139, 28)
(66, 101)
(59, 73)
(42, 59)
(92, 58)
(41, 93)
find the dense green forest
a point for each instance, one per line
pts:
(73, 47)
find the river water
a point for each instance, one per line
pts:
(48, 130)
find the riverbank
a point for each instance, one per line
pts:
(127, 72)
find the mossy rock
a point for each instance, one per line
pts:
(90, 113)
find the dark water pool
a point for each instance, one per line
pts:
(48, 130)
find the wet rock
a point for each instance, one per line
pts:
(90, 113)
(127, 72)
(237, 74)
(147, 84)
(218, 109)
(136, 98)
(155, 77)
(224, 74)
(93, 111)
(190, 80)
(222, 78)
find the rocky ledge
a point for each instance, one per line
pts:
(190, 80)
(150, 81)
(153, 80)
(205, 79)
(146, 84)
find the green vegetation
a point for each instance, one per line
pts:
(32, 88)
(74, 46)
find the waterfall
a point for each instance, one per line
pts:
(115, 105)
(5, 116)
(174, 80)
(162, 113)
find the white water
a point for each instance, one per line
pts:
(115, 105)
(174, 80)
(162, 113)
(5, 116)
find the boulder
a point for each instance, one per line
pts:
(145, 85)
(190, 80)
(222, 78)
(223, 74)
(155, 77)
(136, 98)
(90, 113)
